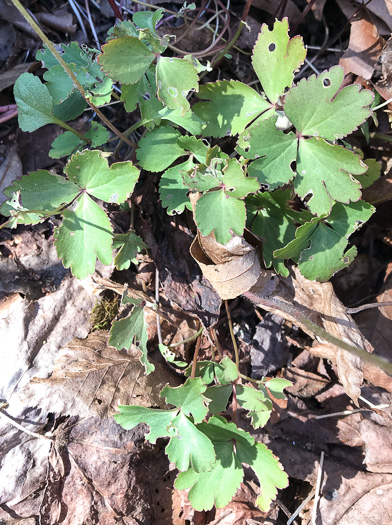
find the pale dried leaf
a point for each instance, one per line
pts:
(382, 9)
(364, 48)
(234, 276)
(92, 378)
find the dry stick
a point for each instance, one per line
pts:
(295, 514)
(23, 429)
(159, 333)
(237, 357)
(69, 72)
(277, 305)
(215, 338)
(367, 307)
(194, 362)
(318, 486)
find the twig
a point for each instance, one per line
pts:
(342, 413)
(368, 307)
(188, 339)
(237, 357)
(69, 72)
(318, 486)
(23, 429)
(295, 514)
(194, 362)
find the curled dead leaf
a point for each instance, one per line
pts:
(231, 269)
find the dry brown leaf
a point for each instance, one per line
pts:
(235, 268)
(92, 378)
(364, 48)
(299, 298)
(271, 6)
(382, 9)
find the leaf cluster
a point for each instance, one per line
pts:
(208, 450)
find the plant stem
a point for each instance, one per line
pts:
(69, 72)
(188, 340)
(23, 429)
(194, 362)
(381, 136)
(237, 357)
(258, 381)
(383, 104)
(215, 338)
(72, 130)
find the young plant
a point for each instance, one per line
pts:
(291, 179)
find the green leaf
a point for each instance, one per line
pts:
(170, 356)
(219, 397)
(132, 94)
(189, 397)
(90, 171)
(235, 183)
(190, 121)
(70, 108)
(268, 470)
(276, 58)
(132, 330)
(256, 403)
(42, 190)
(194, 146)
(300, 242)
(322, 244)
(84, 235)
(70, 53)
(129, 245)
(190, 447)
(323, 171)
(159, 421)
(226, 371)
(219, 213)
(318, 106)
(68, 142)
(125, 59)
(172, 191)
(64, 145)
(270, 217)
(158, 148)
(216, 487)
(277, 385)
(278, 152)
(175, 78)
(123, 28)
(371, 175)
(229, 107)
(35, 105)
(148, 20)
(98, 134)
(205, 370)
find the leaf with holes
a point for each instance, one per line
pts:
(320, 246)
(276, 58)
(158, 149)
(129, 245)
(229, 107)
(132, 330)
(125, 59)
(175, 78)
(318, 106)
(189, 397)
(275, 151)
(159, 421)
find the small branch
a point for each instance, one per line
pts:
(23, 429)
(69, 72)
(194, 362)
(368, 307)
(237, 357)
(188, 339)
(318, 486)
